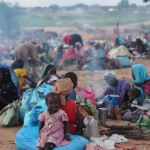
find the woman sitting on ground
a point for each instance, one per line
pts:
(64, 88)
(8, 91)
(140, 48)
(141, 80)
(48, 70)
(79, 49)
(46, 54)
(71, 54)
(74, 80)
(21, 73)
(98, 52)
(116, 87)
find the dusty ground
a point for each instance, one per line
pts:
(7, 135)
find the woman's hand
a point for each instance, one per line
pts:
(46, 78)
(66, 137)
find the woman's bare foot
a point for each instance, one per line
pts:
(111, 111)
(117, 112)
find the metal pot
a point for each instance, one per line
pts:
(103, 112)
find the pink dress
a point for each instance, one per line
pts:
(53, 131)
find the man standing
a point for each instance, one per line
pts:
(28, 53)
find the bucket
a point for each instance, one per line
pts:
(103, 112)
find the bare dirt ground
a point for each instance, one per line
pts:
(86, 78)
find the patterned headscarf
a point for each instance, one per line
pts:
(64, 88)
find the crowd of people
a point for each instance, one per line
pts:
(63, 116)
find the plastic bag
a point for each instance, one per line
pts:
(102, 142)
(124, 60)
(26, 100)
(88, 93)
(9, 115)
(22, 115)
(91, 127)
(118, 138)
(31, 118)
(26, 139)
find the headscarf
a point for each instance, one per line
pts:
(64, 88)
(71, 53)
(18, 64)
(80, 51)
(44, 48)
(44, 69)
(110, 74)
(66, 39)
(141, 76)
(8, 89)
(97, 44)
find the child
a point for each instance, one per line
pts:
(21, 73)
(134, 94)
(74, 80)
(52, 124)
(64, 88)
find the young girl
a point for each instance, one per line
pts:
(51, 128)
(21, 73)
(64, 88)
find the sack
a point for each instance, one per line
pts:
(31, 117)
(87, 93)
(87, 109)
(91, 127)
(125, 61)
(26, 139)
(119, 51)
(22, 115)
(115, 63)
(9, 115)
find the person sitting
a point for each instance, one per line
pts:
(58, 55)
(116, 87)
(141, 80)
(64, 88)
(79, 49)
(8, 91)
(140, 48)
(54, 125)
(74, 80)
(71, 54)
(128, 112)
(21, 73)
(98, 52)
(46, 54)
(48, 70)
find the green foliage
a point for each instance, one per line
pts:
(133, 6)
(146, 1)
(9, 17)
(54, 7)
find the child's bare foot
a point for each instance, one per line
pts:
(117, 112)
(112, 111)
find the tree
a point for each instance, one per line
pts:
(133, 6)
(54, 7)
(146, 1)
(9, 16)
